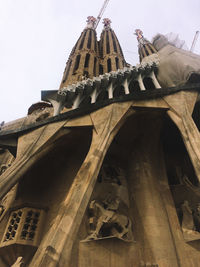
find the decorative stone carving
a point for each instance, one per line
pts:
(187, 222)
(106, 221)
(44, 114)
(112, 181)
(39, 115)
(24, 227)
(190, 222)
(19, 262)
(91, 22)
(107, 23)
(3, 168)
(110, 174)
(196, 217)
(108, 211)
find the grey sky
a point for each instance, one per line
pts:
(36, 37)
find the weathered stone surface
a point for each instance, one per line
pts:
(113, 184)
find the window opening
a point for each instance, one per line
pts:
(109, 65)
(100, 69)
(82, 41)
(87, 59)
(146, 51)
(89, 40)
(24, 227)
(94, 69)
(30, 225)
(119, 91)
(101, 45)
(148, 83)
(107, 43)
(77, 63)
(67, 71)
(96, 46)
(114, 43)
(134, 86)
(117, 62)
(13, 226)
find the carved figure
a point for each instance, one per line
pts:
(107, 23)
(110, 174)
(107, 222)
(18, 262)
(91, 22)
(196, 217)
(187, 222)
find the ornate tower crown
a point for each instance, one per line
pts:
(107, 23)
(91, 22)
(145, 48)
(140, 36)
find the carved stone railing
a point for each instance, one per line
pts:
(104, 86)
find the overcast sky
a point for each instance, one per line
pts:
(36, 37)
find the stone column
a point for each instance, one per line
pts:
(151, 223)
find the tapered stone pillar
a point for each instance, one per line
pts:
(151, 225)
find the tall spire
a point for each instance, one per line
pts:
(83, 60)
(145, 48)
(110, 49)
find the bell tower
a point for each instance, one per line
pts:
(83, 60)
(112, 57)
(145, 48)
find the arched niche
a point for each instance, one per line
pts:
(126, 151)
(182, 180)
(45, 185)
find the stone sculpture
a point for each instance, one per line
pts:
(110, 174)
(187, 221)
(19, 262)
(190, 222)
(106, 221)
(196, 217)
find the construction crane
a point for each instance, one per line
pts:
(194, 41)
(101, 12)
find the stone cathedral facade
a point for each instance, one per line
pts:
(105, 170)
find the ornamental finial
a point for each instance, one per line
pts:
(139, 35)
(91, 22)
(107, 23)
(145, 47)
